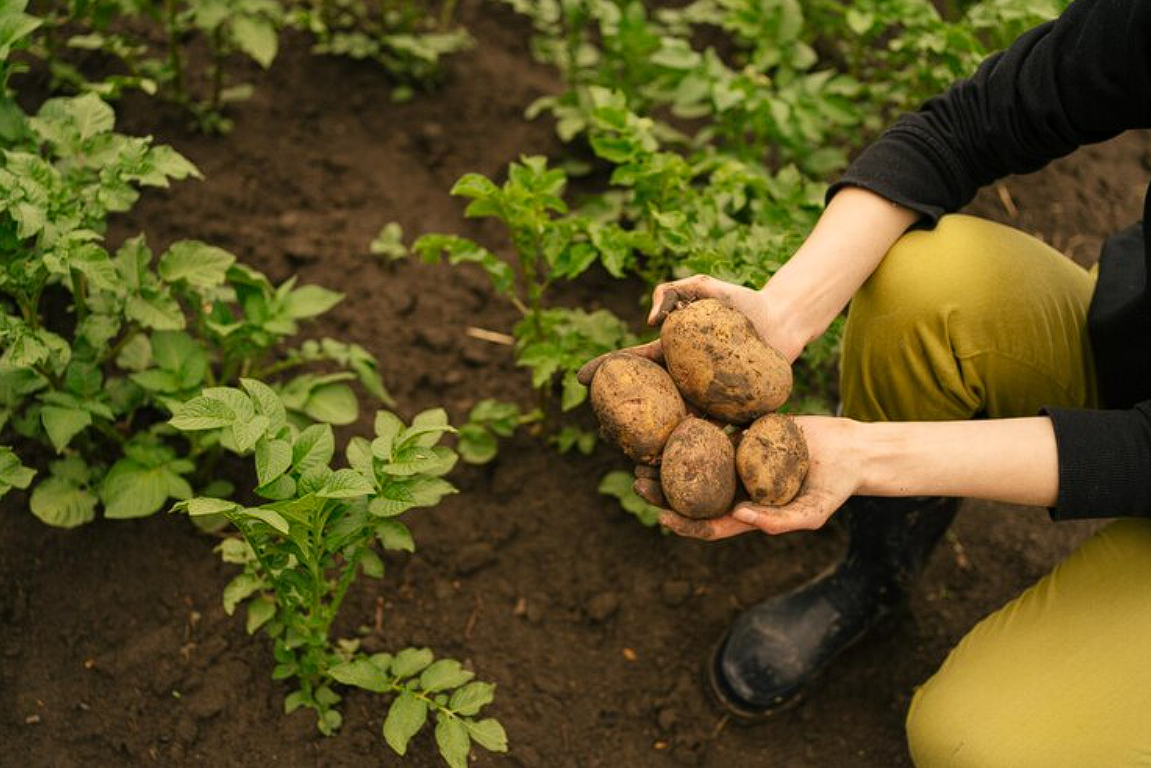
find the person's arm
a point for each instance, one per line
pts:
(1008, 460)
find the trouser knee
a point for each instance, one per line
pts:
(967, 318)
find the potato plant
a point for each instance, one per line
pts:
(488, 421)
(409, 38)
(302, 548)
(550, 245)
(100, 345)
(127, 30)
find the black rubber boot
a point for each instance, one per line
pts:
(775, 648)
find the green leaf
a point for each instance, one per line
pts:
(362, 674)
(256, 37)
(309, 301)
(240, 588)
(267, 403)
(476, 444)
(411, 661)
(345, 484)
(471, 698)
(395, 535)
(273, 458)
(332, 404)
(58, 502)
(314, 447)
(131, 489)
(371, 564)
(406, 717)
(294, 701)
(260, 612)
(283, 487)
(205, 505)
(268, 516)
(199, 264)
(574, 393)
(444, 674)
(426, 428)
(13, 474)
(453, 741)
(359, 455)
(157, 311)
(202, 413)
(247, 433)
(62, 424)
(488, 733)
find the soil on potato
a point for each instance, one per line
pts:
(114, 648)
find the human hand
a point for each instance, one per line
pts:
(667, 295)
(835, 474)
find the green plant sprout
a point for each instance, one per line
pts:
(302, 549)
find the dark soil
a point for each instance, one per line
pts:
(114, 648)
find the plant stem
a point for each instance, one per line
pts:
(80, 295)
(447, 12)
(217, 66)
(114, 351)
(170, 7)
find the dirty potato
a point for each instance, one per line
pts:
(772, 460)
(637, 405)
(698, 470)
(721, 364)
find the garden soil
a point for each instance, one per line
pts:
(114, 647)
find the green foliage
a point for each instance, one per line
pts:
(551, 244)
(302, 548)
(408, 38)
(488, 421)
(99, 346)
(128, 30)
(618, 484)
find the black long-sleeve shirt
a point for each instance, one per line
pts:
(1080, 79)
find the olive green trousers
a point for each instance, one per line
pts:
(975, 319)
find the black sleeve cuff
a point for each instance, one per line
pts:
(906, 166)
(1104, 462)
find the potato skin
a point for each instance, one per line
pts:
(772, 460)
(637, 405)
(698, 472)
(720, 363)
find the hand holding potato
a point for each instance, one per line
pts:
(835, 473)
(668, 296)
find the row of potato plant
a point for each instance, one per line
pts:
(156, 45)
(132, 375)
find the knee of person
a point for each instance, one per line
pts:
(945, 730)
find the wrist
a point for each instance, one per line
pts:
(783, 324)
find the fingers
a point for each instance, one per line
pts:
(665, 297)
(653, 350)
(708, 530)
(806, 513)
(650, 491)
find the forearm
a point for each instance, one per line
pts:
(1009, 460)
(852, 236)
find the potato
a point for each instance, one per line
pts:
(772, 460)
(637, 405)
(720, 363)
(698, 471)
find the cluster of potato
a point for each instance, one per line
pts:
(718, 363)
